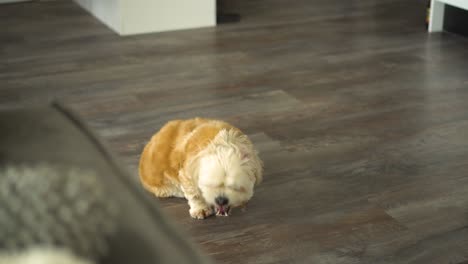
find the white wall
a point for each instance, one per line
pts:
(128, 17)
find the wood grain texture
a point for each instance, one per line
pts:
(360, 117)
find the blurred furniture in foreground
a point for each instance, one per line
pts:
(52, 167)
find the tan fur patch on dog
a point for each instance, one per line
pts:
(176, 143)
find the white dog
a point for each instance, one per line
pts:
(209, 162)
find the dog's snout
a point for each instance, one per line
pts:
(221, 200)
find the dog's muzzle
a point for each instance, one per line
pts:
(223, 210)
(222, 207)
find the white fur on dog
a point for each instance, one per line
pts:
(228, 167)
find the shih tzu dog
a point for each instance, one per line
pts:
(209, 162)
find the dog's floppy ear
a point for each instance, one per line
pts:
(250, 157)
(258, 167)
(248, 154)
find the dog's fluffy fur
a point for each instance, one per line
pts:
(202, 160)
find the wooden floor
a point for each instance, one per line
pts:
(361, 118)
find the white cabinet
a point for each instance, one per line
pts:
(127, 17)
(436, 19)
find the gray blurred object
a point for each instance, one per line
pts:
(49, 205)
(54, 135)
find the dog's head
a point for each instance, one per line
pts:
(228, 170)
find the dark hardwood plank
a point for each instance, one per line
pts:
(359, 115)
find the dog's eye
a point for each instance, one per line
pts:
(213, 186)
(237, 189)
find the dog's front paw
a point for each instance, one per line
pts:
(201, 213)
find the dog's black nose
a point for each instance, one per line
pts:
(221, 200)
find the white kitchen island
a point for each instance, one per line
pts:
(436, 19)
(128, 17)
